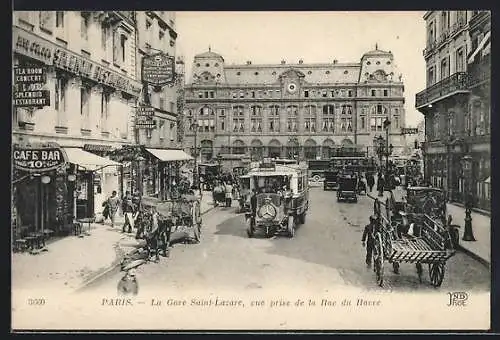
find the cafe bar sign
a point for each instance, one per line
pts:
(38, 157)
(158, 69)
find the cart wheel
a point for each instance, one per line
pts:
(436, 273)
(419, 271)
(250, 229)
(291, 226)
(378, 261)
(302, 218)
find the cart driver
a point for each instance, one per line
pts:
(368, 239)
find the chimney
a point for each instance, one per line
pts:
(335, 61)
(283, 62)
(301, 61)
(249, 62)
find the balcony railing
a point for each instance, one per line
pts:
(457, 82)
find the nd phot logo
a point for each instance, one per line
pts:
(457, 299)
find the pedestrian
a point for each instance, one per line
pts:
(113, 204)
(368, 239)
(128, 211)
(370, 181)
(128, 284)
(380, 185)
(229, 194)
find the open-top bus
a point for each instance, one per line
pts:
(281, 197)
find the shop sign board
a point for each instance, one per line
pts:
(145, 117)
(29, 85)
(409, 131)
(158, 69)
(38, 158)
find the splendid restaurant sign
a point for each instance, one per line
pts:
(38, 158)
(29, 89)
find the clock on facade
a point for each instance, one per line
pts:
(292, 87)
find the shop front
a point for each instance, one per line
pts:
(39, 190)
(162, 172)
(95, 178)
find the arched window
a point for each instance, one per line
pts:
(239, 147)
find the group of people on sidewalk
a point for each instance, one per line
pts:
(129, 205)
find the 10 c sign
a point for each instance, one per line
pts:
(39, 159)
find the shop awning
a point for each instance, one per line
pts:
(88, 160)
(166, 155)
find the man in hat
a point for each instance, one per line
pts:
(128, 284)
(368, 239)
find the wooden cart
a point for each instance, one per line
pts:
(426, 243)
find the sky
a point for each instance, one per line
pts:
(315, 37)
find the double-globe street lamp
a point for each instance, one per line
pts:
(467, 173)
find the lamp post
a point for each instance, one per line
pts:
(140, 187)
(378, 143)
(467, 172)
(194, 127)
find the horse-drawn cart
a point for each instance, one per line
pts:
(160, 223)
(417, 238)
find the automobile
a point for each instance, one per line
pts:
(330, 182)
(208, 173)
(347, 188)
(281, 198)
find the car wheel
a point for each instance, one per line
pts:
(316, 178)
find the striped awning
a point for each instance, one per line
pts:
(479, 47)
(88, 160)
(169, 155)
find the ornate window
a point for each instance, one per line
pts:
(310, 118)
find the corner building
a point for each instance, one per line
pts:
(292, 110)
(90, 63)
(456, 103)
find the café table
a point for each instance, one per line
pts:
(88, 221)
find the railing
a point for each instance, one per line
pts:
(456, 82)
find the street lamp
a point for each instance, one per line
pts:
(378, 143)
(467, 172)
(140, 188)
(195, 127)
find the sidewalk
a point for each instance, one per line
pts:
(481, 227)
(69, 261)
(72, 262)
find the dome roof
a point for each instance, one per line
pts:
(377, 53)
(209, 54)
